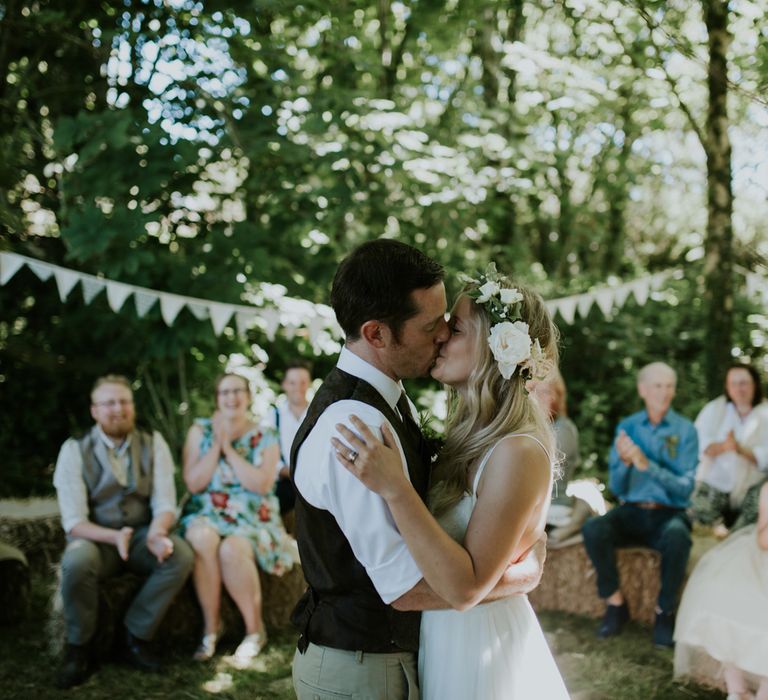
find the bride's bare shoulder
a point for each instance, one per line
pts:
(518, 455)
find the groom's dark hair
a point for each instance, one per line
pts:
(375, 281)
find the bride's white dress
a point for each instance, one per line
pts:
(495, 651)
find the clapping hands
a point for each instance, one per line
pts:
(221, 432)
(728, 445)
(630, 453)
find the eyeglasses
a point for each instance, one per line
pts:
(114, 403)
(232, 392)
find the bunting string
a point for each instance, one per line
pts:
(288, 315)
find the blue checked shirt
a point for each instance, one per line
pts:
(672, 449)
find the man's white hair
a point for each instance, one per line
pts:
(645, 373)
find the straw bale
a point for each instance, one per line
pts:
(40, 538)
(14, 584)
(183, 622)
(568, 583)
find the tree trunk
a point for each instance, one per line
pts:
(718, 268)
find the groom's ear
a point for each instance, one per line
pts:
(375, 333)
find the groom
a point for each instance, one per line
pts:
(358, 621)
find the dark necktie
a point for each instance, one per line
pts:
(418, 470)
(405, 412)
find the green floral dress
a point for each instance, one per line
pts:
(231, 509)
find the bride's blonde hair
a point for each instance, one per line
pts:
(491, 407)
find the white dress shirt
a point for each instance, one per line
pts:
(287, 426)
(71, 490)
(713, 423)
(362, 515)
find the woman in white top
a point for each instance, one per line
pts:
(491, 491)
(733, 444)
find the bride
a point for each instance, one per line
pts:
(489, 499)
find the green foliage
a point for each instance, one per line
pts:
(206, 148)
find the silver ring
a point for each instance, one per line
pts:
(352, 456)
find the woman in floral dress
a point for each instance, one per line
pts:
(232, 519)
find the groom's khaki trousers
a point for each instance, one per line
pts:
(324, 673)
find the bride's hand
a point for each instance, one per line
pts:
(377, 464)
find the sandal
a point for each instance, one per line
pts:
(207, 647)
(249, 649)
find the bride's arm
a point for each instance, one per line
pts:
(518, 578)
(516, 480)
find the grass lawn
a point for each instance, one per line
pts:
(627, 668)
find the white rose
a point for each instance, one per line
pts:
(510, 344)
(510, 296)
(487, 291)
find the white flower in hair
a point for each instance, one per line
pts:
(487, 291)
(510, 344)
(510, 296)
(510, 339)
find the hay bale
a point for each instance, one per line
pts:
(34, 526)
(183, 622)
(14, 584)
(568, 583)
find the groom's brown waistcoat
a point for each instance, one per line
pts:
(341, 608)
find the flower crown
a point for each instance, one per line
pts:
(510, 340)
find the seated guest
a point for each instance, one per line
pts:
(286, 419)
(733, 448)
(722, 625)
(232, 520)
(551, 393)
(118, 502)
(651, 471)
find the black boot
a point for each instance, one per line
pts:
(614, 619)
(75, 666)
(139, 655)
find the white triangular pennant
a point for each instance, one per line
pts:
(620, 295)
(271, 319)
(65, 281)
(170, 306)
(42, 270)
(604, 299)
(658, 280)
(199, 311)
(243, 321)
(117, 293)
(91, 287)
(144, 300)
(220, 315)
(9, 266)
(640, 289)
(584, 304)
(567, 309)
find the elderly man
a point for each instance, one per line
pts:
(651, 471)
(118, 502)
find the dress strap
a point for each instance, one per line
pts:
(490, 452)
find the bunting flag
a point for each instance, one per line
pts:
(91, 288)
(286, 313)
(298, 316)
(9, 266)
(65, 281)
(609, 298)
